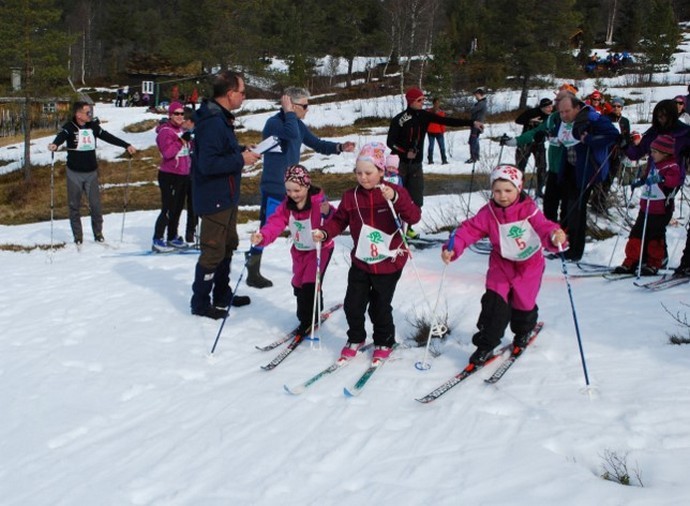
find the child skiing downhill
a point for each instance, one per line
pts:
(661, 179)
(378, 255)
(517, 230)
(304, 208)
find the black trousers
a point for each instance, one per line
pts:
(375, 291)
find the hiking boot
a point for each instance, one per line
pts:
(648, 270)
(681, 272)
(178, 243)
(254, 277)
(211, 312)
(350, 350)
(622, 269)
(190, 239)
(471, 160)
(98, 238)
(382, 353)
(160, 246)
(236, 301)
(480, 356)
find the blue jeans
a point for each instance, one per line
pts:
(440, 139)
(474, 143)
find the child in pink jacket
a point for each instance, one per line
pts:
(304, 209)
(517, 230)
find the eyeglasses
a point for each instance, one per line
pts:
(88, 113)
(596, 100)
(680, 103)
(178, 114)
(303, 106)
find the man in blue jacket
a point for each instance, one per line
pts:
(588, 138)
(291, 132)
(217, 162)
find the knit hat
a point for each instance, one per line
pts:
(479, 90)
(545, 102)
(663, 144)
(507, 173)
(680, 99)
(298, 174)
(570, 88)
(413, 94)
(174, 106)
(374, 152)
(617, 101)
(392, 163)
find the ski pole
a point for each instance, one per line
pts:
(316, 308)
(644, 233)
(564, 268)
(124, 206)
(234, 292)
(434, 326)
(469, 198)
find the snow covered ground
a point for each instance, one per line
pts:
(109, 394)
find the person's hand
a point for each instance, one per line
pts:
(479, 125)
(186, 136)
(348, 146)
(654, 179)
(447, 256)
(52, 147)
(250, 157)
(131, 149)
(387, 192)
(508, 141)
(317, 235)
(286, 104)
(411, 154)
(558, 237)
(256, 238)
(637, 183)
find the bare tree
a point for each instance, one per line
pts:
(611, 21)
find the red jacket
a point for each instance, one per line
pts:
(436, 128)
(375, 212)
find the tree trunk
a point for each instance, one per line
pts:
(27, 139)
(350, 65)
(611, 21)
(524, 91)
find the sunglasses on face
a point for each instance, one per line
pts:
(178, 114)
(303, 106)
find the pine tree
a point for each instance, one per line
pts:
(33, 39)
(660, 36)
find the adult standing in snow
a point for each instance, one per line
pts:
(530, 119)
(436, 134)
(217, 162)
(406, 139)
(683, 114)
(478, 115)
(81, 133)
(588, 137)
(173, 178)
(291, 132)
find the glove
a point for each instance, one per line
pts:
(187, 136)
(654, 179)
(507, 141)
(637, 183)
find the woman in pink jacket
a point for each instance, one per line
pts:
(173, 178)
(517, 230)
(304, 209)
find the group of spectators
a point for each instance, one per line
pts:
(610, 63)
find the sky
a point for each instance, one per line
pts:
(110, 395)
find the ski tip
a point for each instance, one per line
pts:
(266, 367)
(292, 391)
(347, 392)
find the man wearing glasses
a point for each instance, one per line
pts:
(217, 162)
(406, 139)
(287, 126)
(81, 133)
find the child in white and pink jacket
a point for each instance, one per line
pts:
(304, 209)
(517, 230)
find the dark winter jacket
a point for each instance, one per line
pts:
(478, 110)
(369, 206)
(681, 151)
(216, 160)
(408, 129)
(81, 144)
(549, 128)
(593, 150)
(531, 118)
(292, 133)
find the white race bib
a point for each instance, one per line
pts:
(301, 234)
(373, 246)
(86, 141)
(519, 240)
(565, 135)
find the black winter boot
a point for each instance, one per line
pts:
(254, 277)
(222, 294)
(201, 294)
(522, 323)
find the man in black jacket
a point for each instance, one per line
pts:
(406, 139)
(82, 167)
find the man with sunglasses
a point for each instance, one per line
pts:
(406, 139)
(81, 133)
(288, 127)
